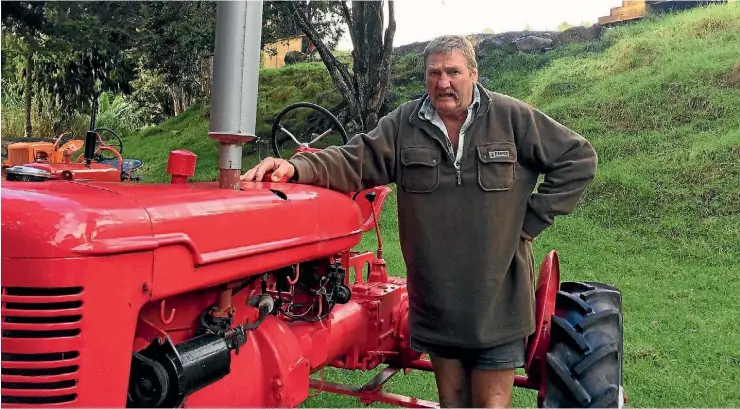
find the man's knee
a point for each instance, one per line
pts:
(493, 374)
(453, 382)
(492, 389)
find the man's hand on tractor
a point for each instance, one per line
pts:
(280, 169)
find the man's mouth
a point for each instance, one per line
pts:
(446, 96)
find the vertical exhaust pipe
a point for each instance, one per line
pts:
(236, 75)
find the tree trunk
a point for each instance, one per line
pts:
(178, 99)
(372, 56)
(175, 105)
(338, 72)
(366, 90)
(207, 77)
(29, 89)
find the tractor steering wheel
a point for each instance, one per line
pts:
(115, 153)
(110, 139)
(278, 144)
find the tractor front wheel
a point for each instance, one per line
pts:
(584, 361)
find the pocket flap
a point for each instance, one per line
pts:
(497, 152)
(420, 155)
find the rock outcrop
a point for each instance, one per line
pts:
(517, 41)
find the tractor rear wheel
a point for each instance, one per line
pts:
(584, 360)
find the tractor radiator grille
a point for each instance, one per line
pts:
(18, 156)
(40, 329)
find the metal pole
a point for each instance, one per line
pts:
(235, 80)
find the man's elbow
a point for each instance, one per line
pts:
(592, 161)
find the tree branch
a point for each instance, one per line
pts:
(348, 21)
(390, 32)
(385, 76)
(338, 72)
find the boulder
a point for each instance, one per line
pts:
(489, 45)
(533, 44)
(292, 57)
(579, 34)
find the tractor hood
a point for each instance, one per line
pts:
(77, 219)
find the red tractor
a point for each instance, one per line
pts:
(235, 294)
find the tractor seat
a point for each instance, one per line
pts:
(129, 165)
(366, 208)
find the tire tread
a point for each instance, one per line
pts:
(583, 366)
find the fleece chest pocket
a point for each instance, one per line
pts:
(496, 165)
(420, 168)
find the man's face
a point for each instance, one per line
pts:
(450, 82)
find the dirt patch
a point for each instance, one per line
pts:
(634, 54)
(709, 26)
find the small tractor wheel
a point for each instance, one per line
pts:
(584, 360)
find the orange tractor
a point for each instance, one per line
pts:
(61, 161)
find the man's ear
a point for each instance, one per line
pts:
(474, 75)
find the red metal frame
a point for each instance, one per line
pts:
(143, 261)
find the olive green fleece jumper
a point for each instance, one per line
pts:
(470, 274)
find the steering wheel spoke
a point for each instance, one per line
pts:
(327, 132)
(110, 139)
(291, 135)
(278, 143)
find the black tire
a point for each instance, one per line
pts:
(275, 126)
(584, 361)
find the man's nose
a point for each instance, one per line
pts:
(444, 82)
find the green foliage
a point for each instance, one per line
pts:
(119, 114)
(325, 17)
(25, 19)
(408, 69)
(177, 39)
(13, 64)
(150, 96)
(61, 54)
(45, 123)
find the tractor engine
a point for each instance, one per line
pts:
(146, 295)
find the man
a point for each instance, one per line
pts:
(466, 161)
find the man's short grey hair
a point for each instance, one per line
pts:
(447, 43)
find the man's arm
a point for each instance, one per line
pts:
(568, 162)
(367, 160)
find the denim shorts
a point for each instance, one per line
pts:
(506, 356)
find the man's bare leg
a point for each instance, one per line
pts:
(453, 383)
(492, 389)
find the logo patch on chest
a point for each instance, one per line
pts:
(498, 154)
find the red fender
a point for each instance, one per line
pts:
(548, 284)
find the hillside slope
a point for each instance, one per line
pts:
(660, 100)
